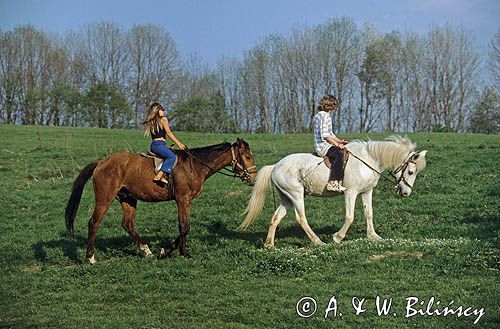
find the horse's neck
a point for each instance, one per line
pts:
(221, 160)
(215, 163)
(388, 155)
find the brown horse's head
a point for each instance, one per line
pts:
(244, 162)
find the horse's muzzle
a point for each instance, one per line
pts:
(401, 192)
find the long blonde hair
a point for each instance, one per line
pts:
(152, 121)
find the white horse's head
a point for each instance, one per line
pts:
(407, 173)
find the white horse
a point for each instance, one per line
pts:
(298, 174)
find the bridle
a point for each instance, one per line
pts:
(245, 172)
(403, 168)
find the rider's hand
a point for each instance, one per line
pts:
(340, 146)
(182, 146)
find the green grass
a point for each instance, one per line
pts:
(443, 241)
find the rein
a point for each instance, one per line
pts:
(375, 170)
(244, 175)
(401, 168)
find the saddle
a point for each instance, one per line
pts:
(157, 160)
(157, 163)
(328, 163)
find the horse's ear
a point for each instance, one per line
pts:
(415, 156)
(419, 159)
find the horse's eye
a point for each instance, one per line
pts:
(410, 172)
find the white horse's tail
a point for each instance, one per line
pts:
(256, 203)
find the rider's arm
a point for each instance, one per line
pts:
(335, 142)
(170, 134)
(327, 132)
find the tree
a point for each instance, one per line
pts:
(367, 76)
(155, 64)
(228, 76)
(107, 107)
(451, 68)
(10, 76)
(386, 66)
(303, 47)
(486, 116)
(104, 53)
(30, 58)
(494, 59)
(416, 97)
(256, 77)
(338, 50)
(202, 114)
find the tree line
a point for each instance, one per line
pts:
(105, 76)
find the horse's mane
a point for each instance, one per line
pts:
(206, 153)
(390, 152)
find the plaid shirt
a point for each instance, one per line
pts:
(322, 128)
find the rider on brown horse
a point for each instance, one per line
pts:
(157, 126)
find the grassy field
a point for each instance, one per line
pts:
(442, 242)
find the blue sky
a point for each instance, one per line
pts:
(213, 29)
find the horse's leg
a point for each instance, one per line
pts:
(350, 201)
(368, 210)
(101, 206)
(275, 220)
(167, 252)
(106, 188)
(128, 223)
(300, 214)
(183, 209)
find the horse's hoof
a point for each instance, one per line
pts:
(145, 249)
(164, 254)
(336, 238)
(320, 243)
(374, 237)
(91, 260)
(269, 246)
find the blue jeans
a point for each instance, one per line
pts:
(159, 147)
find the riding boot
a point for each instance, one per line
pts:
(163, 179)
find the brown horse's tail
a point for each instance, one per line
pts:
(76, 195)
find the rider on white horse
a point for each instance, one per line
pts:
(327, 144)
(300, 174)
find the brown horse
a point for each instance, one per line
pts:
(128, 177)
